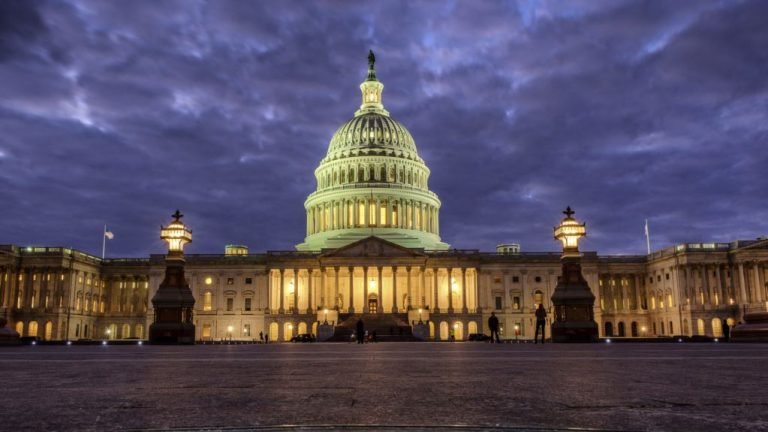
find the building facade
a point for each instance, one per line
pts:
(373, 250)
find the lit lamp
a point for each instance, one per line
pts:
(176, 234)
(569, 232)
(420, 321)
(173, 302)
(572, 299)
(108, 332)
(229, 332)
(325, 320)
(517, 332)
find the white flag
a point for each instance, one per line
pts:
(109, 235)
(646, 228)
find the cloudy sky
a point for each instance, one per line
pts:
(119, 112)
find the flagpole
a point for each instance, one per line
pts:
(647, 237)
(104, 241)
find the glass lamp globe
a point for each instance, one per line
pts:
(176, 234)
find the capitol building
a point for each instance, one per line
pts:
(372, 249)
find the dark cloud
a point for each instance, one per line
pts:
(119, 113)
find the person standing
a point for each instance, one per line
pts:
(726, 331)
(493, 325)
(541, 322)
(261, 336)
(360, 331)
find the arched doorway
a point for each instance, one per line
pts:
(302, 327)
(139, 331)
(314, 328)
(126, 333)
(471, 327)
(32, 328)
(431, 329)
(700, 327)
(717, 327)
(112, 331)
(458, 330)
(287, 331)
(633, 328)
(20, 328)
(274, 332)
(443, 330)
(621, 329)
(685, 327)
(48, 334)
(608, 329)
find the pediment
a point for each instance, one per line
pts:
(372, 247)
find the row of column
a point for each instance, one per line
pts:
(364, 174)
(426, 296)
(82, 291)
(746, 284)
(622, 292)
(372, 212)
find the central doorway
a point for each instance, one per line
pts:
(373, 305)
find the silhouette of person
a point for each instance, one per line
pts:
(360, 331)
(541, 322)
(493, 325)
(726, 330)
(261, 337)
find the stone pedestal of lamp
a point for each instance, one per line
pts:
(173, 301)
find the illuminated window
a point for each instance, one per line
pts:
(653, 302)
(247, 305)
(700, 327)
(383, 213)
(669, 300)
(247, 330)
(32, 331)
(516, 303)
(394, 215)
(372, 213)
(361, 214)
(230, 281)
(350, 214)
(207, 300)
(417, 220)
(208, 280)
(499, 302)
(538, 297)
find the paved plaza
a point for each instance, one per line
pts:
(681, 386)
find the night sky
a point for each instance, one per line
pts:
(120, 112)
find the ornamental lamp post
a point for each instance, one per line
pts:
(572, 299)
(173, 301)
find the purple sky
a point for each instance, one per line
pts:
(119, 112)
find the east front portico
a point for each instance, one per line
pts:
(375, 277)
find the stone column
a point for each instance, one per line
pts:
(463, 290)
(323, 289)
(394, 289)
(743, 285)
(379, 298)
(705, 281)
(423, 290)
(365, 289)
(310, 287)
(351, 271)
(281, 292)
(410, 292)
(435, 291)
(336, 287)
(759, 288)
(450, 290)
(721, 294)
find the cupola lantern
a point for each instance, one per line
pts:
(569, 232)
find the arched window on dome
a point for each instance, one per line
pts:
(343, 176)
(417, 221)
(383, 173)
(360, 174)
(335, 178)
(361, 213)
(392, 174)
(350, 214)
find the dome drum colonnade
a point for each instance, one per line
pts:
(372, 182)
